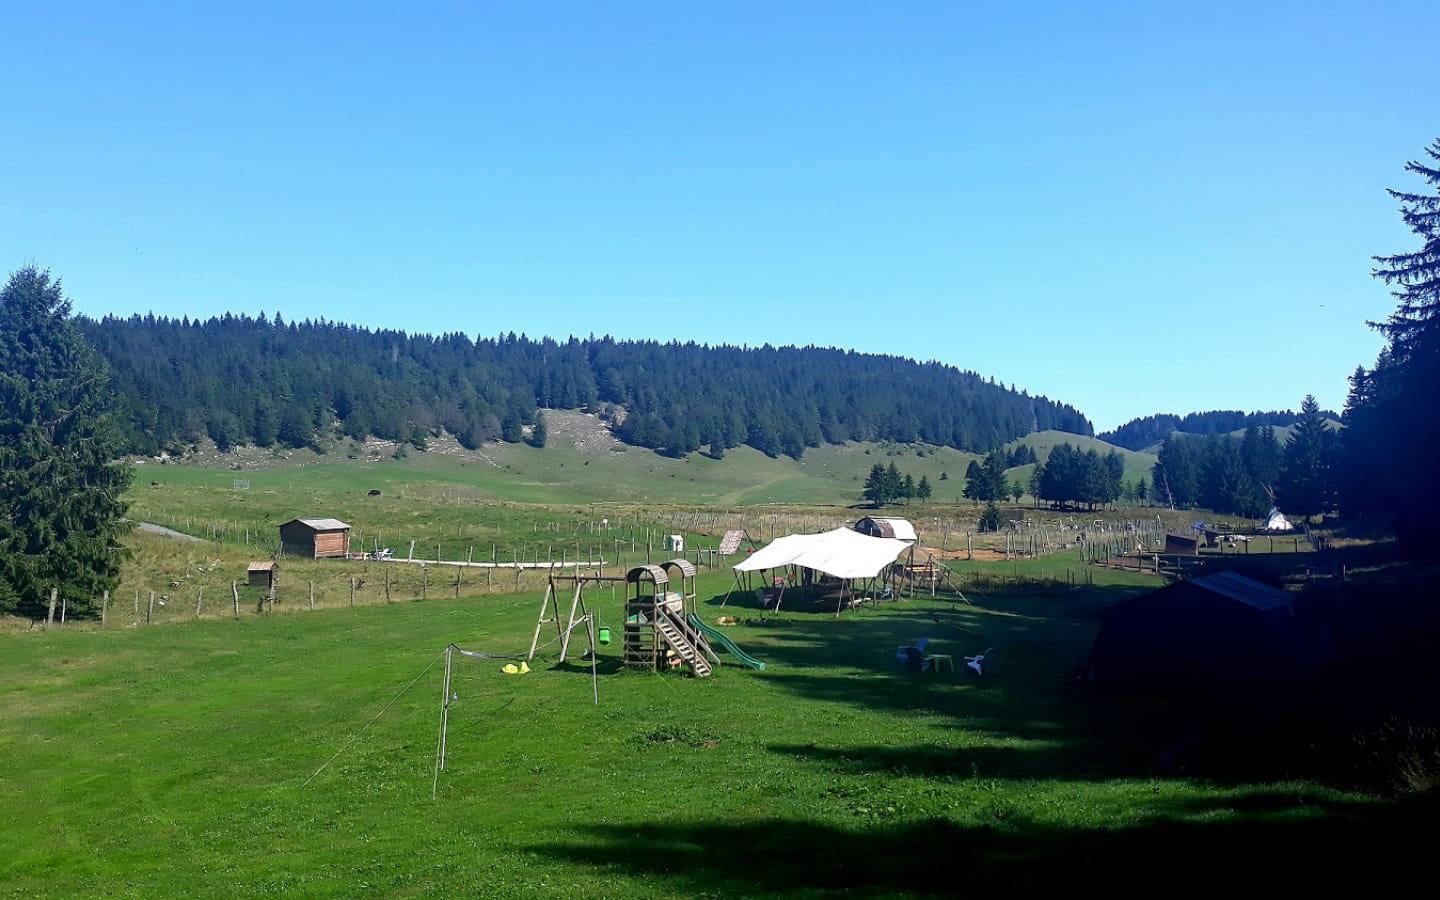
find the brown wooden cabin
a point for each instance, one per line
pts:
(261, 574)
(315, 538)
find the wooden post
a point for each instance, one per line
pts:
(105, 607)
(65, 607)
(424, 581)
(235, 595)
(149, 610)
(199, 596)
(459, 570)
(352, 590)
(412, 550)
(50, 616)
(387, 585)
(312, 595)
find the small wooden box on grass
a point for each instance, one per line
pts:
(262, 574)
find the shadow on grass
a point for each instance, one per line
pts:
(1029, 716)
(1187, 848)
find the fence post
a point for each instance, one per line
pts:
(312, 595)
(352, 590)
(104, 608)
(199, 596)
(235, 595)
(149, 610)
(50, 616)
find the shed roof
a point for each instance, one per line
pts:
(264, 566)
(1245, 590)
(321, 524)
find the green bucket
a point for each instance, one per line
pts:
(604, 635)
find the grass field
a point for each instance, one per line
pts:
(290, 750)
(173, 761)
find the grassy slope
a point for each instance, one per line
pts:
(1137, 465)
(582, 465)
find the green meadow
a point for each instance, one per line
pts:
(213, 745)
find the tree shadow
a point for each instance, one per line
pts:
(1186, 847)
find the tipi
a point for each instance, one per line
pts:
(1276, 521)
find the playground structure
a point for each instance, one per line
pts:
(662, 629)
(659, 629)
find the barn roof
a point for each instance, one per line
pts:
(321, 524)
(1244, 590)
(264, 566)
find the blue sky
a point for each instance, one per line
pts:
(1130, 207)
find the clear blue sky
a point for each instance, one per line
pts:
(1129, 207)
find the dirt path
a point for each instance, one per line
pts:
(167, 532)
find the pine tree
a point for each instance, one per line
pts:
(61, 515)
(1391, 439)
(1306, 481)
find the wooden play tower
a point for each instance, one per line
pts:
(658, 631)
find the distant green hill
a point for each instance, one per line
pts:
(1282, 434)
(1137, 462)
(583, 462)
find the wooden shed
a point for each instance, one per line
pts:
(1182, 544)
(315, 538)
(1222, 636)
(261, 574)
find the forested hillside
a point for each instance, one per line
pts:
(1137, 434)
(260, 380)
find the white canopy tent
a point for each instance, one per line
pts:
(842, 553)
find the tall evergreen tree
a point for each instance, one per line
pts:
(1306, 485)
(1387, 415)
(60, 510)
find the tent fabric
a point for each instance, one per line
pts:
(1276, 521)
(842, 553)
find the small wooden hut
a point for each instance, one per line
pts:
(261, 574)
(1182, 544)
(315, 538)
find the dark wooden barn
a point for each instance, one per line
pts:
(1223, 636)
(315, 538)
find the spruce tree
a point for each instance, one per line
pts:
(61, 515)
(1306, 487)
(1392, 440)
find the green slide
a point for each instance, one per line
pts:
(720, 638)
